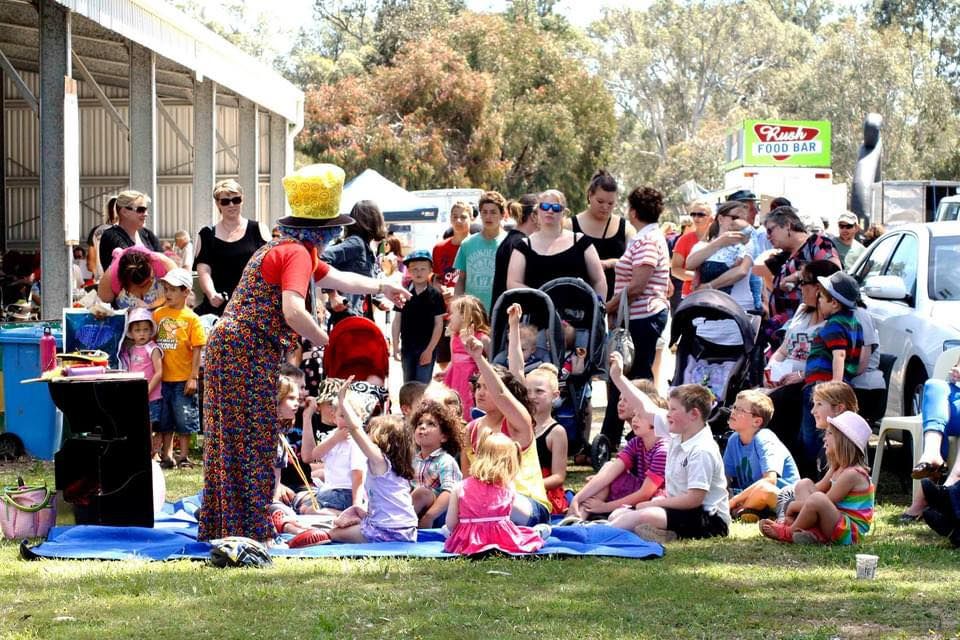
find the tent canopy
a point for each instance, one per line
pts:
(396, 203)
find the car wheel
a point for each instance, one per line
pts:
(913, 392)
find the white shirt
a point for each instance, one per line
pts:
(697, 464)
(344, 458)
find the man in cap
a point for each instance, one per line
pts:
(846, 239)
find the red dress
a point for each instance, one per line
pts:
(484, 522)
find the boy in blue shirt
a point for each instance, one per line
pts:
(757, 464)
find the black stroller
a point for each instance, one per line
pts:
(715, 340)
(573, 301)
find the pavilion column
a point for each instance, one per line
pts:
(278, 167)
(143, 125)
(248, 147)
(204, 153)
(55, 65)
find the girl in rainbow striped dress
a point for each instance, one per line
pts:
(839, 508)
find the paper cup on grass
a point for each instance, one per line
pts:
(866, 566)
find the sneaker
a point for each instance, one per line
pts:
(309, 538)
(784, 498)
(543, 530)
(649, 532)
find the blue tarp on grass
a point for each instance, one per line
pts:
(175, 537)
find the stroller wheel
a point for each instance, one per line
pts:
(600, 451)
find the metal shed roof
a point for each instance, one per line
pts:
(187, 51)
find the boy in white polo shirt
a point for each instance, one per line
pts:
(696, 504)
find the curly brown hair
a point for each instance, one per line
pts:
(395, 442)
(647, 203)
(448, 421)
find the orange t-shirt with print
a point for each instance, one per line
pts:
(179, 332)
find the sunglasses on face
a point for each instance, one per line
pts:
(806, 282)
(699, 214)
(551, 206)
(137, 209)
(844, 225)
(226, 202)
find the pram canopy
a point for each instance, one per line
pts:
(539, 311)
(710, 304)
(577, 304)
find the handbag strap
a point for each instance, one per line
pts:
(623, 317)
(9, 493)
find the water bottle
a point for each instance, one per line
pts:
(48, 351)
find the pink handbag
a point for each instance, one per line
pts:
(27, 512)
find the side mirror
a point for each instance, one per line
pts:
(884, 288)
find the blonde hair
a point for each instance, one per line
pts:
(837, 393)
(760, 403)
(285, 386)
(844, 453)
(227, 186)
(473, 314)
(181, 234)
(548, 372)
(463, 206)
(556, 193)
(646, 385)
(128, 197)
(497, 461)
(700, 205)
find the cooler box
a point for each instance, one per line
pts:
(29, 411)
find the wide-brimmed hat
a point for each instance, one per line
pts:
(842, 287)
(854, 427)
(314, 195)
(140, 314)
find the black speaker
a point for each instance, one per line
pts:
(103, 469)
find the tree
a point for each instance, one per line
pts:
(936, 22)
(675, 67)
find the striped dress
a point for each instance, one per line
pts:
(649, 248)
(856, 514)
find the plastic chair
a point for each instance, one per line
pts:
(912, 424)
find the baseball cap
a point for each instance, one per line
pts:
(842, 287)
(179, 278)
(848, 217)
(743, 195)
(418, 254)
(854, 427)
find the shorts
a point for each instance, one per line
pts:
(442, 352)
(695, 523)
(539, 514)
(327, 498)
(156, 406)
(179, 413)
(373, 533)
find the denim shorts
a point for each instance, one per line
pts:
(327, 498)
(539, 514)
(179, 413)
(156, 406)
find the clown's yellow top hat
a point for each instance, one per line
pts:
(314, 196)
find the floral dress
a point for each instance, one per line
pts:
(243, 357)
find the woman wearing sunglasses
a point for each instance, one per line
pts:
(224, 248)
(129, 231)
(554, 252)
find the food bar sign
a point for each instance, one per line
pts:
(787, 143)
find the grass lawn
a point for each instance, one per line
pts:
(743, 587)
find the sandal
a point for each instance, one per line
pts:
(749, 516)
(808, 536)
(185, 463)
(779, 531)
(928, 470)
(279, 520)
(167, 463)
(309, 538)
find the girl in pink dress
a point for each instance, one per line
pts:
(478, 515)
(467, 318)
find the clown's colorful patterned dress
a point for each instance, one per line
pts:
(242, 362)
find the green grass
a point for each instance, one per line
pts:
(743, 586)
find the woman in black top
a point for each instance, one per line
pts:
(554, 252)
(609, 233)
(224, 249)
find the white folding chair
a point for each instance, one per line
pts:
(912, 424)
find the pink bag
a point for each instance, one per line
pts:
(27, 512)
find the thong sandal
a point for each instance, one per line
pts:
(779, 531)
(928, 470)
